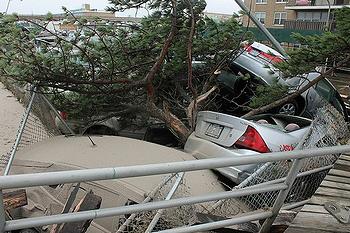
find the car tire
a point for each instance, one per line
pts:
(289, 108)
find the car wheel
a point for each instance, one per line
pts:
(289, 108)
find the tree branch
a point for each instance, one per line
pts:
(297, 93)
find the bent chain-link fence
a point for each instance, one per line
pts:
(38, 123)
(173, 217)
(327, 129)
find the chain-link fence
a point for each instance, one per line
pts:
(174, 217)
(39, 122)
(327, 129)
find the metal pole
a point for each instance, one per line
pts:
(219, 224)
(58, 115)
(75, 176)
(109, 212)
(295, 205)
(262, 28)
(241, 185)
(2, 213)
(147, 199)
(301, 174)
(297, 164)
(7, 6)
(168, 197)
(20, 131)
(328, 16)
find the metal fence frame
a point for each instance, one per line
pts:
(33, 90)
(85, 175)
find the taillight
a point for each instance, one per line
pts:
(251, 139)
(270, 57)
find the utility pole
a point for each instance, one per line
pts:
(7, 7)
(262, 28)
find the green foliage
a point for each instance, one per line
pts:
(103, 67)
(266, 94)
(343, 23)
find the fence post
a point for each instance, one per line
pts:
(2, 213)
(20, 131)
(293, 172)
(58, 115)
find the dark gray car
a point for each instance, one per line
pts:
(256, 60)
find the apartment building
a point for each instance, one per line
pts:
(314, 14)
(295, 14)
(272, 13)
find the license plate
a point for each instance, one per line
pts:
(214, 130)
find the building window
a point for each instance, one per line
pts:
(314, 16)
(260, 16)
(280, 18)
(261, 1)
(281, 1)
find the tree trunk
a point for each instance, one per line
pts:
(172, 121)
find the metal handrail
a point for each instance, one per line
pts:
(73, 176)
(108, 212)
(20, 131)
(168, 197)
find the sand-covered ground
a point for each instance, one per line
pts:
(10, 116)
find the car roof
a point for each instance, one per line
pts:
(77, 152)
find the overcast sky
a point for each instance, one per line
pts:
(55, 6)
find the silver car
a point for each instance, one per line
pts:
(222, 135)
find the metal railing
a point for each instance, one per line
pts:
(318, 2)
(309, 25)
(75, 176)
(35, 97)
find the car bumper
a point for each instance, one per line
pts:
(203, 149)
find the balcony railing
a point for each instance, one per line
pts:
(317, 2)
(308, 25)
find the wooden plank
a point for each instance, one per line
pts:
(314, 209)
(336, 185)
(300, 229)
(337, 179)
(336, 172)
(333, 192)
(342, 165)
(320, 200)
(89, 202)
(15, 199)
(325, 222)
(345, 157)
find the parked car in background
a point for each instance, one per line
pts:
(256, 61)
(222, 135)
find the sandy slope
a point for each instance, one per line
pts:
(10, 116)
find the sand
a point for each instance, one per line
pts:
(10, 116)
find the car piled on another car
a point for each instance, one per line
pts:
(222, 135)
(256, 61)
